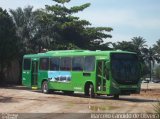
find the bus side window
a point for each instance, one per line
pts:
(54, 64)
(26, 64)
(77, 63)
(65, 64)
(89, 64)
(44, 63)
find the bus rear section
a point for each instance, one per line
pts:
(30, 72)
(125, 73)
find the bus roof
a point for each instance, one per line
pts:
(75, 53)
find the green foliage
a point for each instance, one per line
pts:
(76, 9)
(149, 55)
(23, 21)
(139, 42)
(8, 41)
(32, 32)
(156, 49)
(72, 30)
(124, 45)
(62, 1)
(139, 46)
(135, 45)
(56, 28)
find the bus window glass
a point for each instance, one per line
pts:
(26, 64)
(44, 64)
(125, 68)
(65, 64)
(89, 63)
(54, 64)
(77, 63)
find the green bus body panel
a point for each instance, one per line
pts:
(26, 80)
(78, 79)
(77, 82)
(27, 74)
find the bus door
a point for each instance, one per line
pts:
(101, 76)
(26, 72)
(34, 73)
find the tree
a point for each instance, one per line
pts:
(24, 22)
(156, 48)
(8, 41)
(139, 42)
(124, 45)
(150, 57)
(32, 33)
(70, 30)
(139, 46)
(46, 35)
(157, 72)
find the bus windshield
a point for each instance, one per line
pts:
(125, 68)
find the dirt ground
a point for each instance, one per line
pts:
(19, 99)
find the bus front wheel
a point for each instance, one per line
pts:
(45, 87)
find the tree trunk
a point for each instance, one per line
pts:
(2, 76)
(150, 66)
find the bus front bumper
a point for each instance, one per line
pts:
(127, 90)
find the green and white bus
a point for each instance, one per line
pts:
(111, 73)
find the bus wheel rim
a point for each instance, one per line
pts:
(90, 91)
(45, 88)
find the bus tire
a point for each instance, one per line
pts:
(45, 87)
(116, 96)
(89, 90)
(98, 94)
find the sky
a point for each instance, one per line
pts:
(128, 18)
